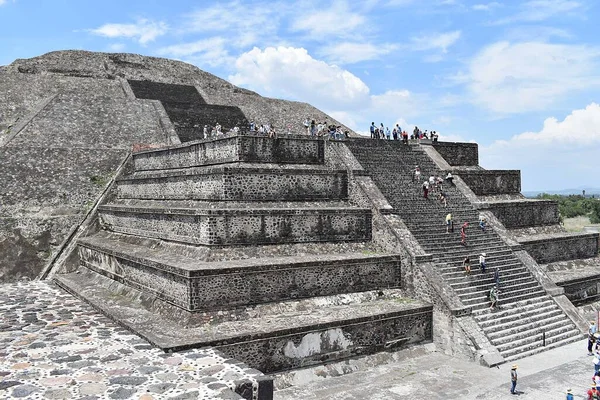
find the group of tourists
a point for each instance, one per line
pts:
(324, 130)
(593, 348)
(396, 133)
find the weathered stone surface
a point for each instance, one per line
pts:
(458, 154)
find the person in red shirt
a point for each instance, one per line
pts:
(593, 394)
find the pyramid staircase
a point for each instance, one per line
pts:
(528, 320)
(249, 245)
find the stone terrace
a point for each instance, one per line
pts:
(526, 310)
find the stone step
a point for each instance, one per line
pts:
(457, 256)
(513, 309)
(486, 284)
(484, 303)
(232, 148)
(265, 224)
(238, 182)
(529, 350)
(194, 285)
(454, 243)
(535, 340)
(523, 329)
(457, 278)
(533, 313)
(271, 337)
(507, 289)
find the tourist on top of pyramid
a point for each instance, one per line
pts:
(404, 137)
(425, 189)
(450, 178)
(593, 393)
(372, 129)
(205, 132)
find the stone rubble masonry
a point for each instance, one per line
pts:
(67, 121)
(486, 182)
(458, 154)
(524, 213)
(559, 247)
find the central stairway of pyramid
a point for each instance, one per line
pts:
(250, 245)
(529, 320)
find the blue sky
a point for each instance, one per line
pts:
(521, 78)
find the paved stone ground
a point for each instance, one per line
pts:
(432, 375)
(54, 346)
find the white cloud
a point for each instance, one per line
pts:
(247, 23)
(116, 47)
(435, 41)
(143, 30)
(210, 51)
(349, 52)
(522, 77)
(3, 2)
(292, 73)
(540, 10)
(486, 7)
(336, 21)
(561, 155)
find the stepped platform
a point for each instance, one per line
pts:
(227, 223)
(242, 182)
(579, 278)
(269, 337)
(194, 285)
(232, 148)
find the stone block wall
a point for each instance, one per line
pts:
(243, 184)
(356, 338)
(458, 154)
(526, 213)
(582, 290)
(491, 182)
(229, 227)
(232, 148)
(562, 248)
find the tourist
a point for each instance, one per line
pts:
(307, 125)
(395, 134)
(387, 132)
(442, 198)
(596, 379)
(313, 128)
(434, 136)
(493, 296)
(404, 137)
(591, 337)
(513, 379)
(482, 264)
(596, 361)
(467, 265)
(569, 394)
(381, 131)
(252, 126)
(482, 223)
(218, 129)
(449, 178)
(449, 223)
(320, 128)
(417, 174)
(463, 234)
(205, 132)
(425, 189)
(593, 393)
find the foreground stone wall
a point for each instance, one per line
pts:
(525, 213)
(458, 154)
(561, 248)
(490, 182)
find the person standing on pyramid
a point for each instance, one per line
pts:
(463, 234)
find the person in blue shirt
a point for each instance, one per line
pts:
(591, 338)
